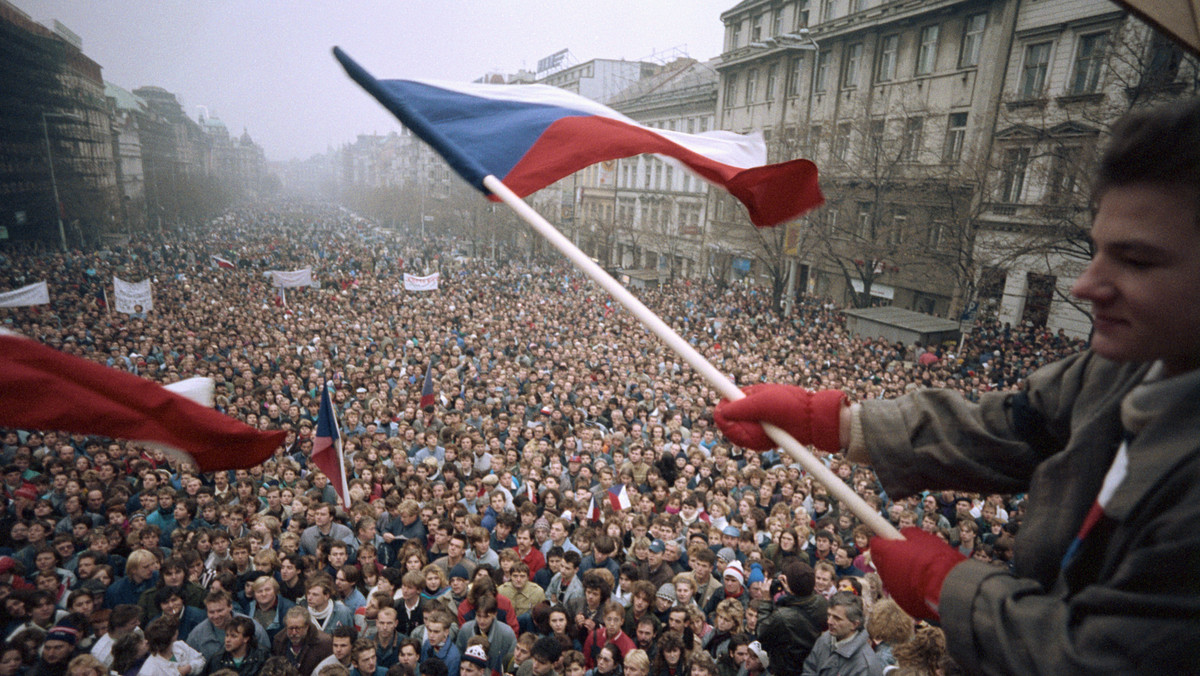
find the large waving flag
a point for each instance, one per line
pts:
(327, 447)
(44, 389)
(529, 136)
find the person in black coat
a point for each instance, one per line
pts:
(788, 633)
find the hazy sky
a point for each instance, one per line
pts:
(266, 64)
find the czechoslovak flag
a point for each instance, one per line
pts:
(223, 263)
(619, 497)
(593, 514)
(327, 447)
(44, 389)
(529, 136)
(427, 399)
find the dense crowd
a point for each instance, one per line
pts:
(567, 505)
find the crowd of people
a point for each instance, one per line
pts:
(567, 505)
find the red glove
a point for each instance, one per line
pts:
(812, 418)
(914, 569)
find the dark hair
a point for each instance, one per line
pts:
(548, 648)
(1153, 145)
(160, 633)
(245, 627)
(164, 594)
(125, 652)
(800, 577)
(434, 666)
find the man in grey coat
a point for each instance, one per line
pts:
(845, 649)
(502, 642)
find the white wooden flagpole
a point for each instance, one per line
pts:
(837, 488)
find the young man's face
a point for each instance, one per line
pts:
(235, 641)
(613, 623)
(483, 621)
(408, 655)
(365, 661)
(1144, 279)
(823, 579)
(337, 557)
(436, 632)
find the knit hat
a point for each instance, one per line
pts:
(476, 655)
(27, 492)
(667, 591)
(756, 573)
(64, 633)
(541, 524)
(756, 648)
(459, 570)
(735, 570)
(727, 554)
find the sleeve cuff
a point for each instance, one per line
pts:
(955, 606)
(856, 450)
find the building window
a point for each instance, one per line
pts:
(802, 14)
(857, 5)
(874, 140)
(1012, 177)
(937, 234)
(814, 140)
(1163, 60)
(841, 142)
(888, 48)
(864, 221)
(910, 143)
(956, 133)
(972, 40)
(850, 65)
(731, 90)
(772, 77)
(793, 76)
(826, 10)
(1088, 59)
(896, 236)
(777, 22)
(927, 50)
(751, 84)
(1063, 184)
(1033, 70)
(735, 34)
(756, 25)
(821, 77)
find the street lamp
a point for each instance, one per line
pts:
(62, 234)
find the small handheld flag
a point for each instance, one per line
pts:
(223, 263)
(327, 447)
(427, 389)
(619, 497)
(593, 514)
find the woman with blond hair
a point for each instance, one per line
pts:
(888, 626)
(637, 663)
